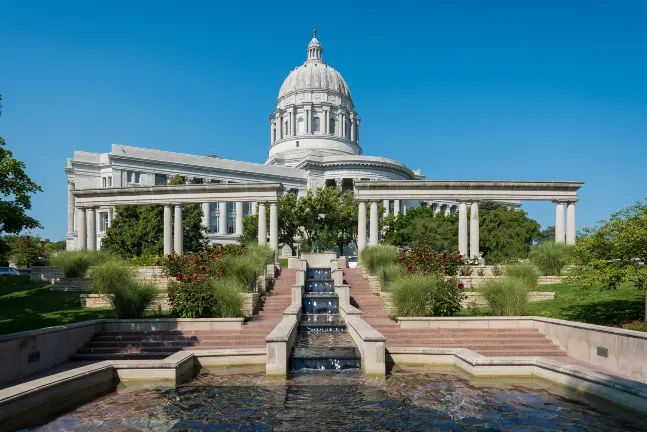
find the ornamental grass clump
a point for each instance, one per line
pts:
(507, 296)
(229, 298)
(527, 273)
(388, 274)
(128, 296)
(373, 257)
(426, 295)
(549, 257)
(75, 264)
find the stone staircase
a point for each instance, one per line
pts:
(109, 345)
(488, 342)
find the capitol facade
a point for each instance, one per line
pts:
(315, 140)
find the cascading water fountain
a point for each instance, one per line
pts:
(324, 342)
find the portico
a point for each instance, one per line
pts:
(173, 197)
(468, 194)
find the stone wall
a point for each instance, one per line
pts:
(472, 299)
(101, 301)
(59, 282)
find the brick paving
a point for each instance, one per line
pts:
(160, 344)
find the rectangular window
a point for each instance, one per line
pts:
(103, 221)
(110, 181)
(104, 182)
(132, 177)
(247, 209)
(160, 179)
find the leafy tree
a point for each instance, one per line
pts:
(505, 233)
(250, 230)
(420, 226)
(614, 252)
(288, 228)
(16, 188)
(139, 230)
(546, 235)
(26, 251)
(345, 221)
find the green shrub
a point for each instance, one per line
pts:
(465, 270)
(526, 273)
(77, 263)
(192, 299)
(146, 261)
(549, 257)
(507, 296)
(242, 268)
(229, 298)
(118, 280)
(425, 295)
(378, 256)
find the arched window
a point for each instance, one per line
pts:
(316, 125)
(300, 126)
(332, 126)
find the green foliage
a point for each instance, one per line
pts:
(497, 270)
(229, 298)
(546, 235)
(420, 226)
(526, 273)
(636, 326)
(465, 270)
(378, 256)
(549, 257)
(25, 251)
(118, 281)
(250, 229)
(249, 264)
(139, 230)
(288, 228)
(420, 259)
(76, 263)
(392, 271)
(424, 295)
(505, 233)
(193, 300)
(507, 296)
(145, 261)
(15, 188)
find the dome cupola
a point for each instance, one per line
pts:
(314, 113)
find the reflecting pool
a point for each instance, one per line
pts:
(409, 399)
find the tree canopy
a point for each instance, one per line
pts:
(16, 188)
(420, 226)
(139, 230)
(614, 252)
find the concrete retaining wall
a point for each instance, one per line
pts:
(29, 352)
(472, 298)
(618, 350)
(319, 260)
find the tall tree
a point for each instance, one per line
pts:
(16, 188)
(139, 230)
(505, 233)
(421, 226)
(614, 252)
(547, 234)
(288, 228)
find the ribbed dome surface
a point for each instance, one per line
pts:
(314, 74)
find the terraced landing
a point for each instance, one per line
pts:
(160, 344)
(488, 342)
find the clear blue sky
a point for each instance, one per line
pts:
(529, 90)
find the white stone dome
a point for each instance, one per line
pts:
(314, 74)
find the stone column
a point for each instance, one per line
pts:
(293, 124)
(279, 127)
(111, 216)
(326, 116)
(274, 228)
(361, 226)
(307, 120)
(168, 229)
(252, 210)
(178, 230)
(342, 127)
(404, 207)
(385, 203)
(82, 238)
(357, 138)
(70, 207)
(396, 207)
(91, 220)
(373, 225)
(559, 222)
(262, 224)
(239, 218)
(222, 219)
(474, 230)
(462, 228)
(271, 132)
(205, 216)
(571, 234)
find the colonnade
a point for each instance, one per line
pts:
(173, 225)
(468, 244)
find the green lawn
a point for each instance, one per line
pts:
(283, 262)
(31, 305)
(610, 307)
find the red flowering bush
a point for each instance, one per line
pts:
(205, 264)
(421, 259)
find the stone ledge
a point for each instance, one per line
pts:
(623, 391)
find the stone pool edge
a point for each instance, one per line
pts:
(622, 391)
